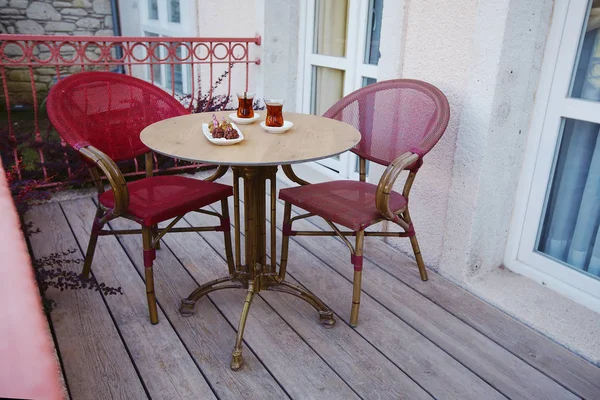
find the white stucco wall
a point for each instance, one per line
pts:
(280, 50)
(130, 17)
(501, 91)
(226, 18)
(429, 53)
(486, 57)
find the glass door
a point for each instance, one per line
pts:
(341, 55)
(560, 235)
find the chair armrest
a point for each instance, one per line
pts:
(289, 172)
(149, 161)
(386, 184)
(113, 174)
(221, 170)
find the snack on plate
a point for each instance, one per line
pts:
(222, 130)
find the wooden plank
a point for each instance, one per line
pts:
(94, 358)
(555, 361)
(164, 364)
(207, 335)
(558, 363)
(301, 371)
(358, 362)
(415, 354)
(570, 370)
(294, 364)
(498, 367)
(494, 364)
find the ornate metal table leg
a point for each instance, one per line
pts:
(236, 357)
(187, 305)
(254, 273)
(325, 313)
(255, 242)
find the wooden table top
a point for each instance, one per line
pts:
(311, 138)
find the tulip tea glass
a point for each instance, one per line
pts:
(245, 100)
(274, 112)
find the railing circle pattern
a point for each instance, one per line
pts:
(20, 50)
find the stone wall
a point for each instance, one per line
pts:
(45, 17)
(68, 17)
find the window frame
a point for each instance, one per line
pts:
(352, 64)
(551, 107)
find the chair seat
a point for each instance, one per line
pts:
(158, 198)
(348, 203)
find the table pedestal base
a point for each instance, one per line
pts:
(255, 275)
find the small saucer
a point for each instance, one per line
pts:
(277, 129)
(243, 121)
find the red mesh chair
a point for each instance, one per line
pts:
(400, 121)
(101, 114)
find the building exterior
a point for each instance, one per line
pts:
(506, 204)
(45, 17)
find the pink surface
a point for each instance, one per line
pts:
(28, 367)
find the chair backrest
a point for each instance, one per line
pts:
(108, 111)
(394, 117)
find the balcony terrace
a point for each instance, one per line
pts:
(415, 339)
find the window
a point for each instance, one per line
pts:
(373, 32)
(334, 65)
(557, 237)
(174, 13)
(153, 9)
(169, 18)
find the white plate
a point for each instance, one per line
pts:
(243, 121)
(222, 141)
(277, 129)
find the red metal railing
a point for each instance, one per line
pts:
(195, 70)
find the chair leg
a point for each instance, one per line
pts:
(149, 256)
(89, 254)
(285, 241)
(415, 246)
(357, 260)
(226, 226)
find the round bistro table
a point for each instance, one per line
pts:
(254, 160)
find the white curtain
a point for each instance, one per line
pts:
(570, 231)
(331, 22)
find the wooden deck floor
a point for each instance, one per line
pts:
(415, 340)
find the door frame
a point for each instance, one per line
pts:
(352, 65)
(552, 105)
